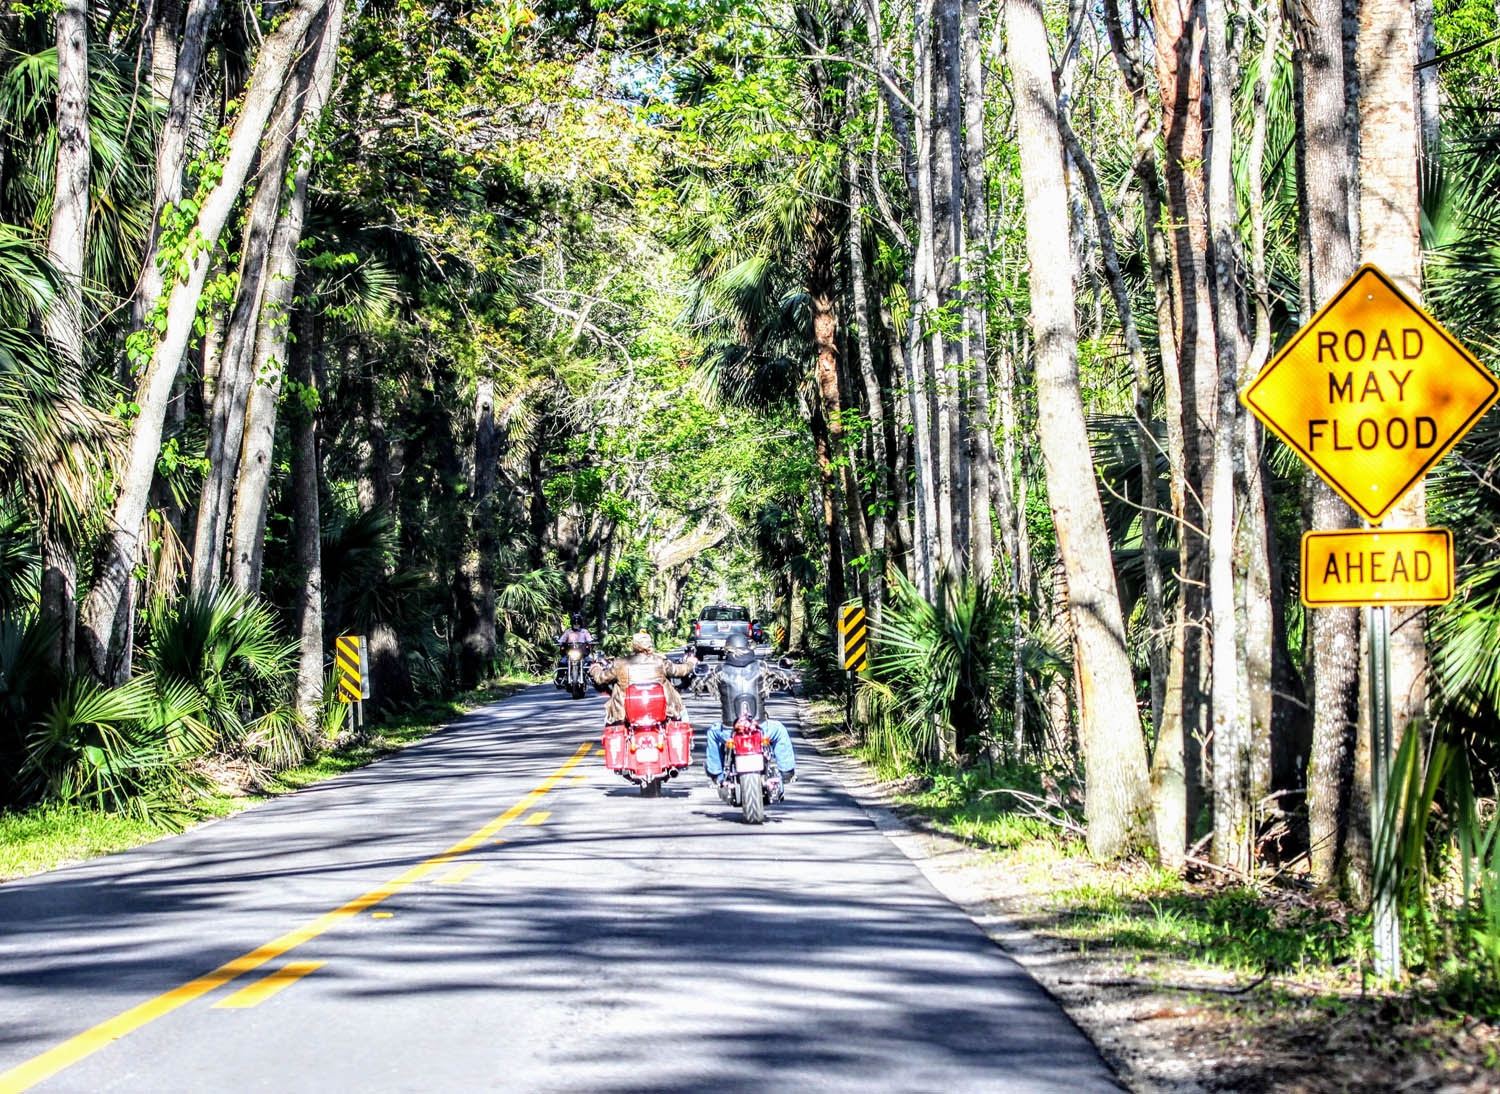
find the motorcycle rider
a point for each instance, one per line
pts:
(739, 654)
(576, 632)
(643, 666)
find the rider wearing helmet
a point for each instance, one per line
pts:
(643, 666)
(576, 632)
(739, 655)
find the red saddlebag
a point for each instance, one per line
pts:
(645, 704)
(679, 744)
(614, 747)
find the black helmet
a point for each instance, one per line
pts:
(738, 642)
(576, 619)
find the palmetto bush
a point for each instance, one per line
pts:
(227, 651)
(945, 670)
(118, 749)
(217, 678)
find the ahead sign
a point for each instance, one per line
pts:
(1350, 568)
(1372, 393)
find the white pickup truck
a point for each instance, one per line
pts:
(714, 626)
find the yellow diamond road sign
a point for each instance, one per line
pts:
(1372, 393)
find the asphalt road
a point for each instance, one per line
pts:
(492, 910)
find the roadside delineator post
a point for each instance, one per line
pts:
(1371, 393)
(351, 659)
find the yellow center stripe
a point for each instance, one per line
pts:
(267, 986)
(26, 1075)
(463, 873)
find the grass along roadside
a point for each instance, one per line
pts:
(1185, 984)
(47, 836)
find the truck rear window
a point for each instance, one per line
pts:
(726, 615)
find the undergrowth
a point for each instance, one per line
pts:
(50, 835)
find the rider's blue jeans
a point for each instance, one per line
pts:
(718, 733)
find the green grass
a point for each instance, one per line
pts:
(1151, 911)
(968, 804)
(1137, 911)
(47, 836)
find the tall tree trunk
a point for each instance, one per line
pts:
(1169, 757)
(1332, 633)
(1232, 741)
(171, 149)
(949, 364)
(976, 252)
(1117, 801)
(1194, 390)
(253, 479)
(1145, 439)
(1390, 238)
(1428, 85)
(476, 589)
(1255, 548)
(63, 321)
(864, 337)
(307, 523)
(924, 350)
(236, 375)
(102, 623)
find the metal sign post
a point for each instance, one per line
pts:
(1387, 925)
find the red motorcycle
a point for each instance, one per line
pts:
(649, 748)
(751, 778)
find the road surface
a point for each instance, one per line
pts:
(492, 910)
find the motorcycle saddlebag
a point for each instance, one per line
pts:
(679, 744)
(645, 703)
(614, 747)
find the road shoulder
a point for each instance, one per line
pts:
(1168, 1026)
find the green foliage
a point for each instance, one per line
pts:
(1439, 856)
(48, 836)
(111, 749)
(947, 671)
(1234, 928)
(976, 805)
(224, 654)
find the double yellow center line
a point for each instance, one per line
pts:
(26, 1075)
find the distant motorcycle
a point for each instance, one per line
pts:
(572, 669)
(650, 747)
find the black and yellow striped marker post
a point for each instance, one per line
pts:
(348, 656)
(856, 637)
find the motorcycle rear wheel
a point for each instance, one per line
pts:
(752, 798)
(651, 789)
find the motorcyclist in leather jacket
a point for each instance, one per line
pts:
(643, 666)
(742, 671)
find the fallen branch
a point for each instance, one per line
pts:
(1136, 982)
(1038, 807)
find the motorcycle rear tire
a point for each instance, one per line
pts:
(752, 798)
(651, 789)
